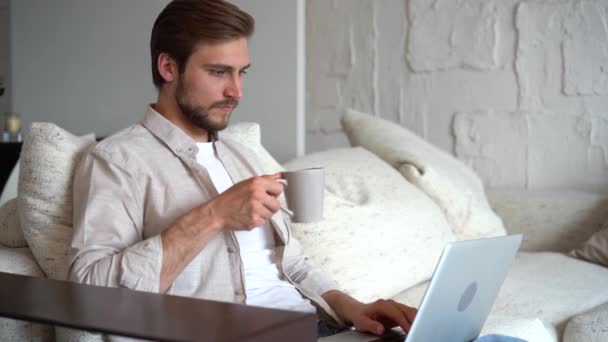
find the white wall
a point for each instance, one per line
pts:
(516, 88)
(4, 57)
(85, 65)
(271, 95)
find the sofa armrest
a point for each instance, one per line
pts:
(550, 220)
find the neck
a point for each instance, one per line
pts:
(167, 107)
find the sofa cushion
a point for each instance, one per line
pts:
(595, 249)
(249, 134)
(528, 329)
(380, 234)
(454, 186)
(591, 326)
(552, 287)
(10, 230)
(63, 334)
(21, 261)
(48, 159)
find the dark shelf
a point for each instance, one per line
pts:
(9, 155)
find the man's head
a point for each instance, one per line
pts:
(199, 53)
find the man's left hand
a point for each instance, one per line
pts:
(381, 315)
(374, 317)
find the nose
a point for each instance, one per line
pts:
(234, 87)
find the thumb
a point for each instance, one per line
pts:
(366, 324)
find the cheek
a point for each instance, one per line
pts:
(207, 89)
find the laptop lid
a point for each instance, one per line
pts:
(461, 293)
(463, 288)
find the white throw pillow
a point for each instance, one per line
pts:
(10, 230)
(380, 234)
(248, 134)
(48, 159)
(449, 182)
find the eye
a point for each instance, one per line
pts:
(243, 72)
(217, 72)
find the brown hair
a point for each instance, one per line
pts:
(184, 24)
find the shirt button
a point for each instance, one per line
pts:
(238, 292)
(231, 250)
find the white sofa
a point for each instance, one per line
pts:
(377, 213)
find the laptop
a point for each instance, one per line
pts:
(461, 293)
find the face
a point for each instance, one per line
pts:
(210, 86)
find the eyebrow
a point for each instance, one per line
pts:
(225, 67)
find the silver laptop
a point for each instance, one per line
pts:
(461, 293)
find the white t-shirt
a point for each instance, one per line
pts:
(263, 283)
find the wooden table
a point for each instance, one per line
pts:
(151, 316)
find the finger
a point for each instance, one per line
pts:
(274, 176)
(389, 309)
(277, 175)
(265, 184)
(408, 311)
(366, 324)
(266, 213)
(272, 204)
(263, 212)
(274, 188)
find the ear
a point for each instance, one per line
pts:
(167, 67)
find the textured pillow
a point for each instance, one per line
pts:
(10, 230)
(380, 234)
(248, 134)
(595, 249)
(448, 181)
(48, 159)
(591, 326)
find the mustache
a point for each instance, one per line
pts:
(224, 103)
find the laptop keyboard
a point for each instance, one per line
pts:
(393, 336)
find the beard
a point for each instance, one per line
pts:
(199, 115)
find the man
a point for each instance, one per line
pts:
(170, 206)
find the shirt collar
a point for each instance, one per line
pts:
(176, 139)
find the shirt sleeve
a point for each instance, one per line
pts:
(107, 246)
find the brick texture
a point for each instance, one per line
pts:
(518, 89)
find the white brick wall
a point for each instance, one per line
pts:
(4, 55)
(516, 88)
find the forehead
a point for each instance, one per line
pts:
(234, 53)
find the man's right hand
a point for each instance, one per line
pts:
(244, 206)
(247, 204)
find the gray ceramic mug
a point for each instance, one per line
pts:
(304, 192)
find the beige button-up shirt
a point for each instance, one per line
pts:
(131, 186)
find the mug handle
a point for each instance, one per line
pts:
(285, 184)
